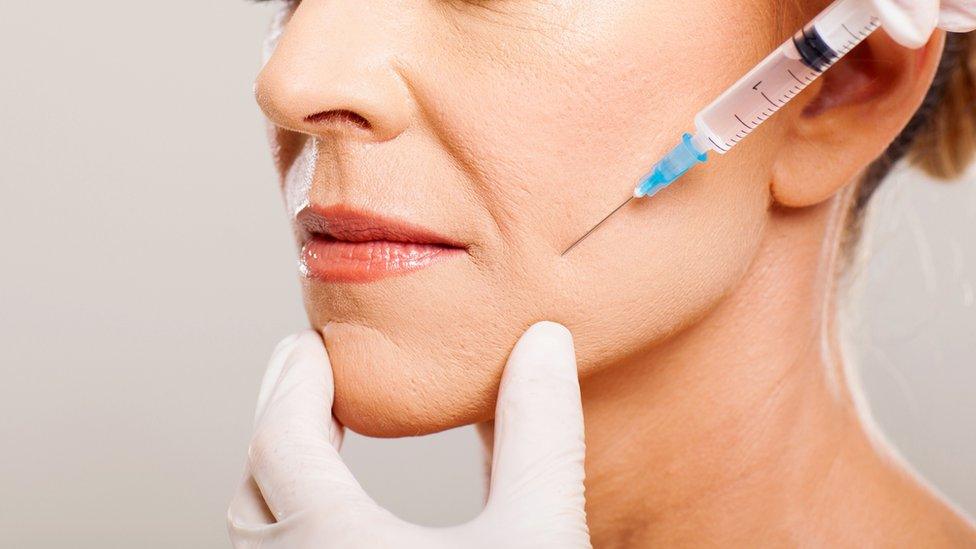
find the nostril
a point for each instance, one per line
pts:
(338, 117)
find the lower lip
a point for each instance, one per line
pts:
(341, 261)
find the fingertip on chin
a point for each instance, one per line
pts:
(310, 340)
(286, 344)
(546, 348)
(549, 329)
(298, 339)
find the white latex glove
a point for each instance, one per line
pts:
(911, 22)
(294, 468)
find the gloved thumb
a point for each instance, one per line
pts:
(958, 16)
(908, 22)
(294, 454)
(537, 465)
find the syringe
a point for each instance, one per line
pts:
(764, 90)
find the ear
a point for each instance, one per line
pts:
(858, 107)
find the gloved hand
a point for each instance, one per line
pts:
(911, 22)
(295, 471)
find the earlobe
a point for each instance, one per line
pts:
(857, 109)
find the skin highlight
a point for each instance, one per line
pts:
(713, 383)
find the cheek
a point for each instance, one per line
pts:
(560, 135)
(549, 132)
(558, 122)
(662, 265)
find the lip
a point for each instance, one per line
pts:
(343, 244)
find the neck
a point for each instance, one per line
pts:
(736, 419)
(741, 430)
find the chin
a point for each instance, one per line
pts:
(386, 388)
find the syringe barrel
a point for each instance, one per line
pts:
(786, 72)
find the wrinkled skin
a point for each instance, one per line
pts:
(711, 374)
(512, 128)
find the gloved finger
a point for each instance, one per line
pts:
(294, 455)
(250, 524)
(958, 16)
(248, 509)
(537, 463)
(908, 22)
(273, 372)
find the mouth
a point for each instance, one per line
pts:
(341, 244)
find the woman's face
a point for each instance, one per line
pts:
(493, 134)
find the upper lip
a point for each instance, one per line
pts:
(347, 224)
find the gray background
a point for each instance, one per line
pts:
(146, 273)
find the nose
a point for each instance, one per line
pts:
(332, 73)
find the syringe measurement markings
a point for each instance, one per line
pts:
(717, 146)
(794, 76)
(788, 95)
(863, 33)
(795, 90)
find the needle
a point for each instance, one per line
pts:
(597, 226)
